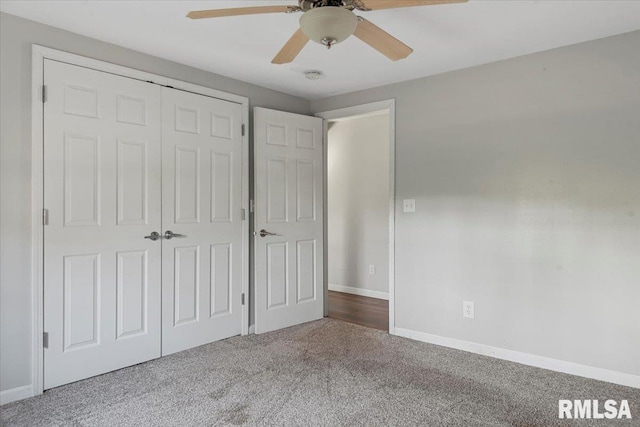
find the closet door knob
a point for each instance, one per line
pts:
(153, 236)
(170, 235)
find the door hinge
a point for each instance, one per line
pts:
(45, 339)
(45, 216)
(242, 299)
(44, 94)
(243, 129)
(243, 215)
(251, 206)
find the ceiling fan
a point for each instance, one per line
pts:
(329, 22)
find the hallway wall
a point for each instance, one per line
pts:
(358, 205)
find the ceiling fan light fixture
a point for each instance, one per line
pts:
(328, 25)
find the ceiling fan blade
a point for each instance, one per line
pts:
(393, 4)
(217, 13)
(291, 49)
(381, 41)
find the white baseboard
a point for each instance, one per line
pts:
(14, 394)
(359, 291)
(607, 375)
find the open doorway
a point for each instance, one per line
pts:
(359, 216)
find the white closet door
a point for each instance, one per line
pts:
(202, 191)
(102, 170)
(289, 213)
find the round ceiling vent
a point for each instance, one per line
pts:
(314, 74)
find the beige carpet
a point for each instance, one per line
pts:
(321, 373)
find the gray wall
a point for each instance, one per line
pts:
(358, 202)
(526, 175)
(16, 37)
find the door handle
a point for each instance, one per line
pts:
(170, 235)
(153, 236)
(265, 233)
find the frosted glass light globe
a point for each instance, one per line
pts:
(328, 25)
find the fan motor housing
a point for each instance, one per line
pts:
(312, 4)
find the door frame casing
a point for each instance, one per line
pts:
(349, 112)
(38, 56)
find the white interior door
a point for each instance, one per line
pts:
(288, 219)
(202, 204)
(102, 192)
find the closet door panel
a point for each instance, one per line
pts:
(202, 176)
(102, 186)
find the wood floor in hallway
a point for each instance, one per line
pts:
(364, 311)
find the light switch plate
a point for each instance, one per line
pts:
(409, 205)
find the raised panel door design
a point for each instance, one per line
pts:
(277, 275)
(221, 186)
(289, 205)
(187, 120)
(81, 300)
(80, 101)
(132, 182)
(222, 126)
(102, 190)
(201, 289)
(221, 279)
(131, 110)
(304, 138)
(277, 197)
(306, 270)
(187, 284)
(131, 293)
(81, 180)
(305, 190)
(187, 185)
(276, 135)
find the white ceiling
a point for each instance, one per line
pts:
(444, 37)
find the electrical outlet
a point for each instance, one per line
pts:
(409, 205)
(467, 309)
(372, 269)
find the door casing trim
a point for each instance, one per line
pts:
(38, 55)
(358, 110)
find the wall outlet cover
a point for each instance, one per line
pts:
(468, 311)
(372, 269)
